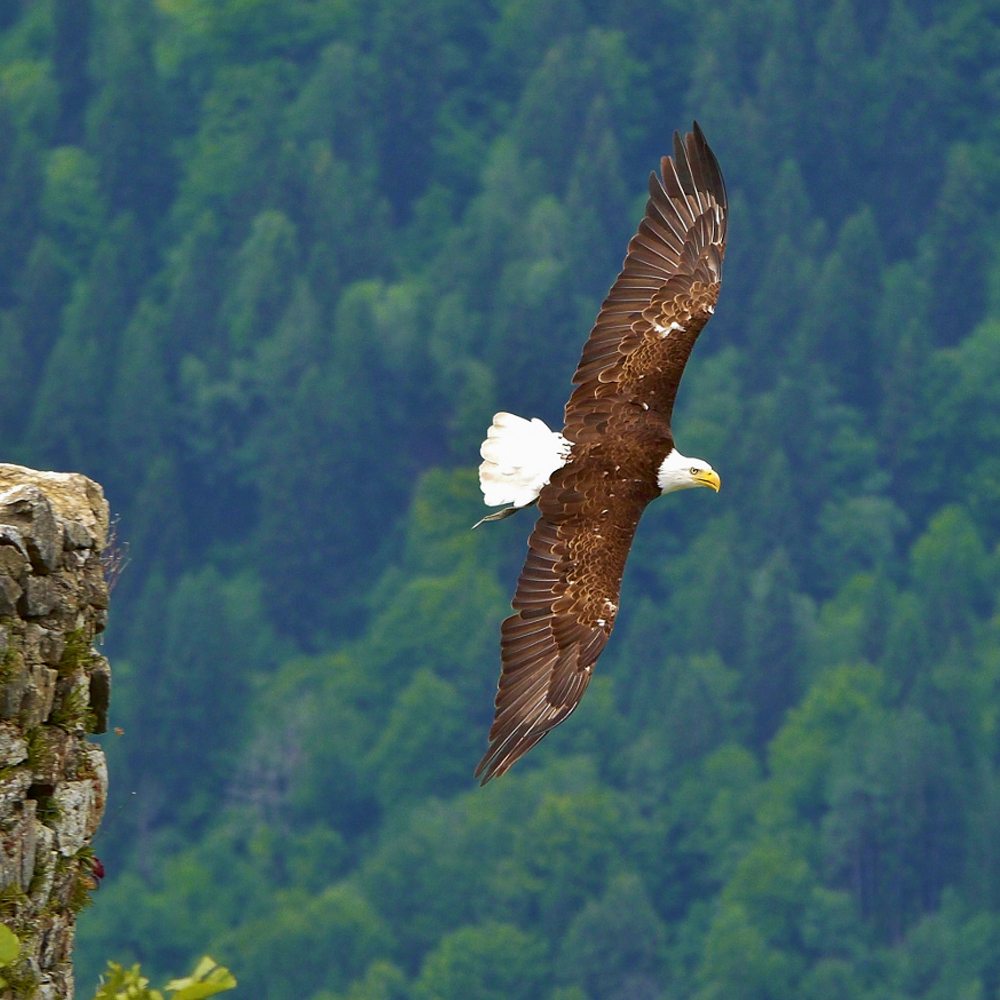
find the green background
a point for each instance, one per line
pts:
(267, 270)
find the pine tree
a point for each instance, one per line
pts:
(773, 645)
(126, 120)
(139, 414)
(42, 291)
(15, 382)
(842, 106)
(957, 275)
(260, 281)
(841, 308)
(64, 430)
(20, 174)
(599, 227)
(71, 22)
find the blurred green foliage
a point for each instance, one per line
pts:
(207, 979)
(267, 271)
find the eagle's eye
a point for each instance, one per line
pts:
(694, 472)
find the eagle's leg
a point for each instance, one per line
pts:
(499, 515)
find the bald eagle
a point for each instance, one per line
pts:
(614, 455)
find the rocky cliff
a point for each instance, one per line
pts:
(54, 689)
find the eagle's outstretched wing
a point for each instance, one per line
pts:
(665, 294)
(565, 607)
(617, 425)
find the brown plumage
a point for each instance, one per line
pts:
(617, 422)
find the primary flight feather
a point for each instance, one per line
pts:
(615, 454)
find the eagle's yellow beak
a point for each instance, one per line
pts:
(708, 477)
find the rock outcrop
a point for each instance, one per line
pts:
(54, 689)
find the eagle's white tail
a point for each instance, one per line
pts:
(519, 457)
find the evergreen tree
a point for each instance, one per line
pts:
(413, 51)
(958, 264)
(493, 961)
(64, 430)
(126, 120)
(773, 651)
(782, 74)
(260, 281)
(893, 830)
(71, 21)
(842, 302)
(314, 940)
(614, 945)
(739, 961)
(156, 524)
(20, 170)
(186, 716)
(911, 75)
(952, 575)
(193, 289)
(842, 103)
(15, 382)
(74, 211)
(337, 199)
(411, 734)
(231, 170)
(596, 206)
(139, 413)
(579, 70)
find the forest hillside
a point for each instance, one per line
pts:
(269, 268)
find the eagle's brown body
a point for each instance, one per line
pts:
(618, 424)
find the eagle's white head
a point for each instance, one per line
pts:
(678, 472)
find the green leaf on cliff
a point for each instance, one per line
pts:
(207, 979)
(10, 947)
